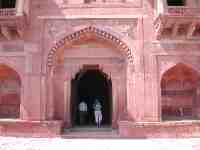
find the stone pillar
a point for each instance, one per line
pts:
(123, 114)
(67, 103)
(131, 96)
(24, 96)
(43, 97)
(20, 7)
(161, 6)
(115, 93)
(191, 3)
(50, 101)
(196, 110)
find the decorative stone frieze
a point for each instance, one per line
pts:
(90, 4)
(58, 28)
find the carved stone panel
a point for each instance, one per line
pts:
(56, 29)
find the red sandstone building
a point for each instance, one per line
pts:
(141, 58)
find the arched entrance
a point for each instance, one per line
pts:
(87, 49)
(180, 98)
(88, 85)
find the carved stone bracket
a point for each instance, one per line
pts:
(177, 26)
(13, 27)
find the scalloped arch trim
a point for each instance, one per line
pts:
(122, 46)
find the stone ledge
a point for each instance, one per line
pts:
(168, 129)
(21, 128)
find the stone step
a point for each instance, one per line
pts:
(102, 133)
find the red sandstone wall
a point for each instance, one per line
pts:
(151, 57)
(139, 94)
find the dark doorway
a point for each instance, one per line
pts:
(7, 3)
(175, 2)
(87, 86)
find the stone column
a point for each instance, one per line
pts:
(196, 110)
(67, 103)
(50, 101)
(115, 92)
(123, 114)
(24, 96)
(43, 97)
(191, 3)
(131, 95)
(161, 6)
(20, 7)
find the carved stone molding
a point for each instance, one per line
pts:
(72, 4)
(58, 28)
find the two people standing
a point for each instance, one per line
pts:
(97, 109)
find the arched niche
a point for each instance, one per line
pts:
(10, 92)
(179, 98)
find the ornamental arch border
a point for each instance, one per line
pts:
(15, 68)
(187, 64)
(99, 33)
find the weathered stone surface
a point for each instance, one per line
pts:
(146, 52)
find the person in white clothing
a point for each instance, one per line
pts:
(83, 112)
(97, 113)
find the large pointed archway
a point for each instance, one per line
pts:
(88, 47)
(88, 85)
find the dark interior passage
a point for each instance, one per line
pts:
(175, 2)
(91, 85)
(7, 3)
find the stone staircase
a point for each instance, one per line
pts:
(91, 132)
